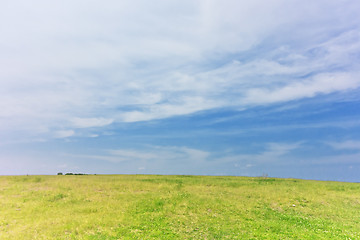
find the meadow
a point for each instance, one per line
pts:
(176, 207)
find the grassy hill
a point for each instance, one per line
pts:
(176, 207)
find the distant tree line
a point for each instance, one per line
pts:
(60, 173)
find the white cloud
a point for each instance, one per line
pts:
(90, 122)
(128, 61)
(186, 106)
(320, 84)
(153, 154)
(274, 152)
(346, 145)
(64, 133)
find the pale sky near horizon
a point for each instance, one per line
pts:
(201, 87)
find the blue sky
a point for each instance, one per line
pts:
(181, 87)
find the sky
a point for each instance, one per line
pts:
(200, 87)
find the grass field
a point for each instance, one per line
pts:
(176, 207)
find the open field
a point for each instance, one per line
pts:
(176, 207)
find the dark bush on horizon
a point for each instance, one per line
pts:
(76, 174)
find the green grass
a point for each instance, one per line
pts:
(176, 207)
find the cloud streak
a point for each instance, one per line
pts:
(90, 122)
(83, 65)
(152, 157)
(346, 145)
(273, 153)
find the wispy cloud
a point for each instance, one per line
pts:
(64, 133)
(346, 145)
(320, 84)
(274, 152)
(65, 65)
(91, 122)
(153, 154)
